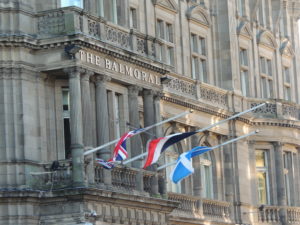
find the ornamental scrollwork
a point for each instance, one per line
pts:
(268, 108)
(182, 86)
(93, 28)
(290, 111)
(116, 36)
(213, 96)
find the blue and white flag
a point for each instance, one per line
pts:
(184, 165)
(105, 164)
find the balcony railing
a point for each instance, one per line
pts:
(216, 210)
(269, 214)
(293, 215)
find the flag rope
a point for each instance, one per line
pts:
(201, 130)
(145, 129)
(217, 146)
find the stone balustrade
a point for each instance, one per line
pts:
(124, 178)
(189, 205)
(216, 210)
(293, 215)
(269, 214)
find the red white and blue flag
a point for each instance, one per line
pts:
(157, 146)
(120, 152)
(105, 164)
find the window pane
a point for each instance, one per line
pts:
(264, 87)
(78, 3)
(160, 29)
(194, 43)
(243, 57)
(286, 75)
(169, 33)
(270, 89)
(159, 52)
(195, 67)
(170, 55)
(262, 65)
(117, 115)
(244, 82)
(262, 187)
(202, 70)
(133, 18)
(269, 68)
(202, 46)
(260, 158)
(287, 93)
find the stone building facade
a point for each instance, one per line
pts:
(75, 74)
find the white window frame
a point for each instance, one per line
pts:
(264, 170)
(266, 77)
(199, 57)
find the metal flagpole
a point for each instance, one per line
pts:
(145, 129)
(201, 130)
(217, 146)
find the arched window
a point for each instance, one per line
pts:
(170, 156)
(207, 176)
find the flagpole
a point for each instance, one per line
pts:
(218, 146)
(145, 129)
(201, 130)
(230, 118)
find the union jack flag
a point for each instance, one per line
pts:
(105, 164)
(120, 152)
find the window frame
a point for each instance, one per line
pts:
(264, 170)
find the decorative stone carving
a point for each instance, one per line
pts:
(134, 90)
(141, 46)
(182, 86)
(117, 37)
(290, 111)
(213, 96)
(51, 23)
(268, 108)
(93, 28)
(101, 78)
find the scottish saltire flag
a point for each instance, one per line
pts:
(157, 146)
(120, 152)
(105, 164)
(184, 165)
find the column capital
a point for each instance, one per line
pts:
(134, 90)
(101, 79)
(251, 142)
(149, 92)
(277, 144)
(86, 75)
(74, 72)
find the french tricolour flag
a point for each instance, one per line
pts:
(157, 146)
(120, 152)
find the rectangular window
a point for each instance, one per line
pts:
(66, 118)
(287, 93)
(262, 176)
(194, 43)
(287, 162)
(202, 70)
(133, 18)
(286, 73)
(66, 3)
(243, 57)
(169, 33)
(266, 72)
(170, 56)
(159, 52)
(160, 29)
(245, 82)
(202, 46)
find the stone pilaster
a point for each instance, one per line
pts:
(76, 125)
(102, 114)
(86, 108)
(280, 183)
(157, 113)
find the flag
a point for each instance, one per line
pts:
(105, 164)
(157, 146)
(184, 165)
(120, 152)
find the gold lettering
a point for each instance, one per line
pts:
(114, 67)
(107, 64)
(128, 71)
(90, 58)
(137, 74)
(144, 76)
(82, 54)
(151, 78)
(98, 60)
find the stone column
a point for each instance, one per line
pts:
(102, 115)
(149, 115)
(281, 192)
(135, 142)
(157, 114)
(87, 123)
(76, 125)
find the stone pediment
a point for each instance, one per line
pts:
(267, 39)
(244, 30)
(199, 15)
(167, 4)
(286, 48)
